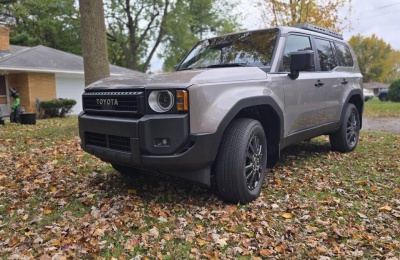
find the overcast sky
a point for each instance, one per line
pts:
(381, 17)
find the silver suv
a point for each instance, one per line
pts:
(230, 107)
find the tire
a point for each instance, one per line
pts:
(383, 97)
(241, 161)
(346, 138)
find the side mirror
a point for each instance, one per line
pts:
(300, 61)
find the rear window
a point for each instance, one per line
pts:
(344, 55)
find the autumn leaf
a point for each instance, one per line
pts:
(47, 211)
(287, 215)
(201, 242)
(385, 208)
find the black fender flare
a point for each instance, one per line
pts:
(353, 93)
(241, 104)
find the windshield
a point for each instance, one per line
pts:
(242, 49)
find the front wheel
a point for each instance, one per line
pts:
(241, 161)
(346, 138)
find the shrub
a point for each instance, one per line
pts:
(57, 107)
(394, 91)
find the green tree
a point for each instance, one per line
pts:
(137, 29)
(318, 12)
(197, 19)
(132, 27)
(374, 57)
(53, 23)
(394, 73)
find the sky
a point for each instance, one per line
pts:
(379, 17)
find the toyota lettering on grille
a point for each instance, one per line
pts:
(107, 101)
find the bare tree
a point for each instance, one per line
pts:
(94, 40)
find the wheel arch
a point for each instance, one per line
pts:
(355, 98)
(267, 112)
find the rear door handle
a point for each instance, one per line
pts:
(319, 83)
(344, 82)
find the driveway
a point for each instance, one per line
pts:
(387, 124)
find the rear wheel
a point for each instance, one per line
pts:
(346, 138)
(241, 161)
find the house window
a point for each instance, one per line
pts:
(3, 90)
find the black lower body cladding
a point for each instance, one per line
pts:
(154, 142)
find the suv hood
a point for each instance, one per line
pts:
(180, 79)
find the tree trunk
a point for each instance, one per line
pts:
(94, 40)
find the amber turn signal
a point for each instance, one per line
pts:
(182, 100)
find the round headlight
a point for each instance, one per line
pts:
(161, 101)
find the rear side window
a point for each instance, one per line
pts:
(294, 43)
(344, 55)
(326, 55)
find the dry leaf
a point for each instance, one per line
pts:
(287, 215)
(385, 208)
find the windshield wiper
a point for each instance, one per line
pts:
(185, 69)
(228, 65)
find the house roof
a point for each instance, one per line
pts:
(372, 85)
(46, 59)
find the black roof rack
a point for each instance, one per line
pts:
(322, 30)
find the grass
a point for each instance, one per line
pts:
(377, 108)
(57, 201)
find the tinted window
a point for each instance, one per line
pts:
(344, 55)
(245, 49)
(326, 55)
(294, 43)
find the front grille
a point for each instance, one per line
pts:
(122, 103)
(113, 142)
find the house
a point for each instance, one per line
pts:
(41, 73)
(375, 86)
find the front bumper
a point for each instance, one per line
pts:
(133, 142)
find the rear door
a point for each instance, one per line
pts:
(331, 79)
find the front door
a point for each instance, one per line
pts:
(4, 96)
(304, 99)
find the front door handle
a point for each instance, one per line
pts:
(319, 83)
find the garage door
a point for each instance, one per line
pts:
(72, 87)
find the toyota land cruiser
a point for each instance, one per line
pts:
(229, 108)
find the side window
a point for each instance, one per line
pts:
(294, 43)
(326, 55)
(344, 55)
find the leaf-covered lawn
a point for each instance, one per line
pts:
(56, 200)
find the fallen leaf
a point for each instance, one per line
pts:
(47, 211)
(363, 183)
(385, 208)
(287, 215)
(265, 252)
(221, 242)
(90, 196)
(201, 242)
(361, 215)
(131, 191)
(13, 241)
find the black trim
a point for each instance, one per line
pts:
(352, 93)
(242, 104)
